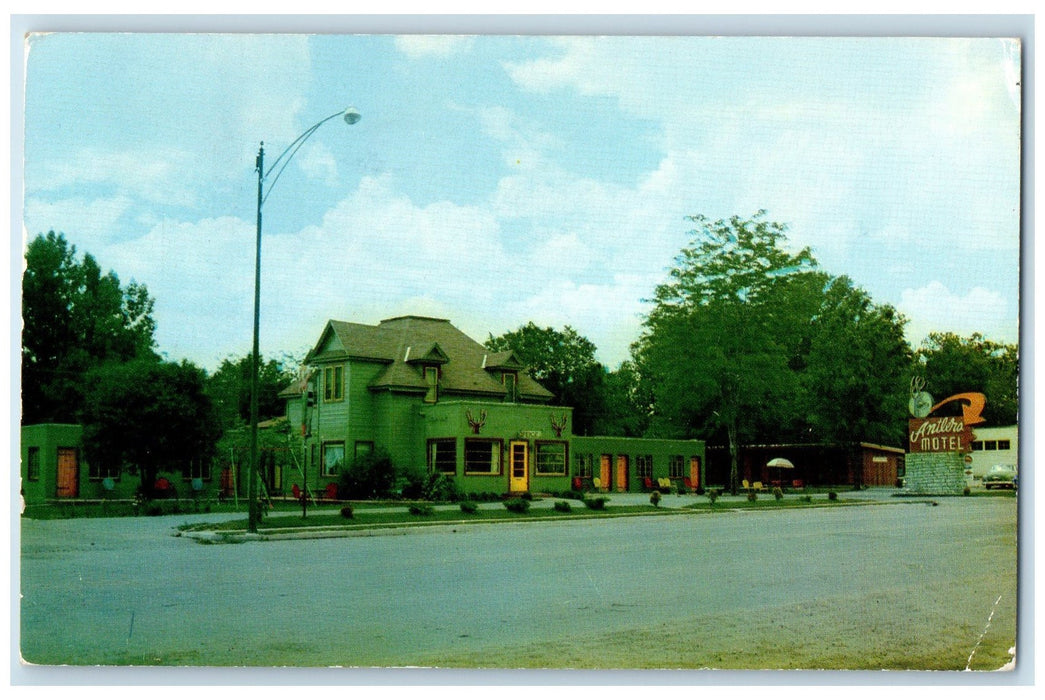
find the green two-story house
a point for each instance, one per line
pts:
(430, 396)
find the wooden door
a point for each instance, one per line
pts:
(68, 473)
(622, 473)
(694, 471)
(604, 472)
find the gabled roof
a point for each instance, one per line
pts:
(407, 343)
(434, 355)
(295, 388)
(506, 360)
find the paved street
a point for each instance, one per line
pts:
(900, 583)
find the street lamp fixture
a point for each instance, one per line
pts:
(351, 116)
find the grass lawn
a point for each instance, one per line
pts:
(402, 517)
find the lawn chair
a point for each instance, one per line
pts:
(757, 486)
(647, 483)
(665, 484)
(578, 483)
(798, 484)
(597, 483)
(331, 493)
(745, 485)
(688, 483)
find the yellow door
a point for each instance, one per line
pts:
(519, 458)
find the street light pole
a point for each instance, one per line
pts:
(351, 116)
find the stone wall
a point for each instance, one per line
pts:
(935, 473)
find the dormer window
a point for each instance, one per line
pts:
(432, 382)
(511, 385)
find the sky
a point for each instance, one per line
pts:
(500, 180)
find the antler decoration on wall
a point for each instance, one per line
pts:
(558, 425)
(477, 425)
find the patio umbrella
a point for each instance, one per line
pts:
(779, 463)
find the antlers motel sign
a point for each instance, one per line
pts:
(939, 445)
(946, 433)
(939, 435)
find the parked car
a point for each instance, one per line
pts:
(1001, 476)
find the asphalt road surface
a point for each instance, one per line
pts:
(897, 585)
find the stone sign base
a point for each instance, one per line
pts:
(935, 473)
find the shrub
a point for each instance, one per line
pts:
(807, 498)
(421, 509)
(517, 505)
(832, 496)
(654, 499)
(597, 503)
(367, 476)
(468, 507)
(700, 490)
(346, 511)
(562, 506)
(527, 495)
(575, 495)
(752, 496)
(712, 496)
(778, 493)
(966, 491)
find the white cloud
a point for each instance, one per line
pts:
(91, 222)
(609, 314)
(934, 307)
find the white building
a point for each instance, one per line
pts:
(992, 446)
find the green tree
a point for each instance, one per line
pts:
(626, 403)
(564, 363)
(147, 416)
(718, 345)
(951, 364)
(854, 369)
(229, 387)
(74, 319)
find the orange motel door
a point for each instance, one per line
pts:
(68, 473)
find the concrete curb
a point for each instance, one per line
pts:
(408, 527)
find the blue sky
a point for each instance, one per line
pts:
(496, 180)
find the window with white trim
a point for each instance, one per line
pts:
(334, 383)
(676, 466)
(442, 455)
(482, 456)
(644, 466)
(333, 458)
(550, 458)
